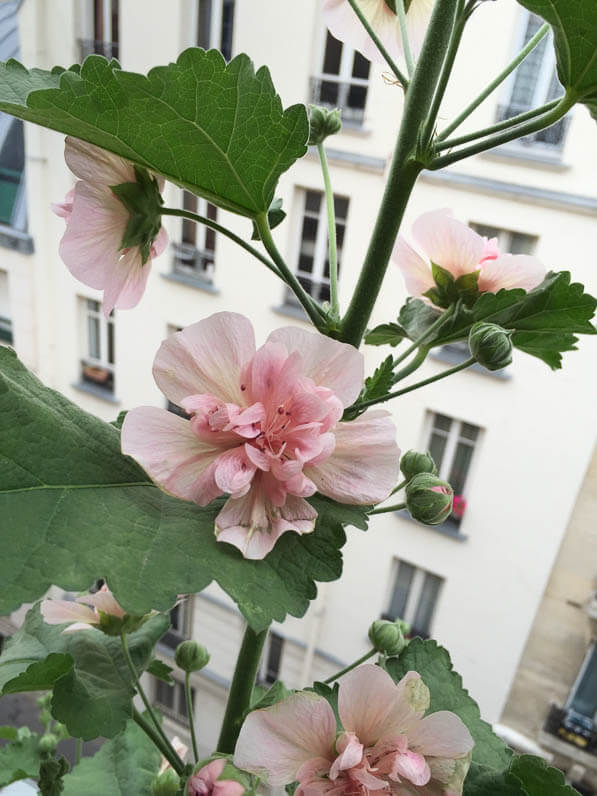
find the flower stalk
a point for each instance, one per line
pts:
(351, 666)
(378, 43)
(329, 198)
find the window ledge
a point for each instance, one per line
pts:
(455, 358)
(97, 392)
(291, 311)
(447, 528)
(16, 240)
(533, 156)
(191, 281)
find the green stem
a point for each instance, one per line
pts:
(399, 487)
(506, 124)
(190, 714)
(329, 197)
(410, 65)
(166, 750)
(241, 688)
(534, 126)
(413, 365)
(376, 40)
(530, 46)
(312, 309)
(403, 173)
(466, 364)
(346, 669)
(429, 332)
(174, 211)
(78, 750)
(143, 695)
(385, 509)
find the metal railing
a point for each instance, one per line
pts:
(572, 727)
(350, 97)
(109, 49)
(551, 139)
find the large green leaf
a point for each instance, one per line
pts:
(218, 130)
(20, 759)
(124, 766)
(539, 779)
(94, 696)
(76, 510)
(574, 24)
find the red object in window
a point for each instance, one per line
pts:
(458, 506)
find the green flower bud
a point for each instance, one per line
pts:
(190, 656)
(47, 744)
(491, 345)
(412, 463)
(387, 637)
(429, 499)
(322, 122)
(166, 784)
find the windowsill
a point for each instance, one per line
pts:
(97, 392)
(456, 358)
(356, 128)
(291, 311)
(447, 528)
(16, 240)
(191, 281)
(532, 156)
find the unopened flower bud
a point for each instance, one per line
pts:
(429, 499)
(491, 345)
(387, 637)
(322, 123)
(190, 656)
(412, 463)
(47, 744)
(166, 784)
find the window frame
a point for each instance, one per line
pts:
(179, 711)
(215, 36)
(87, 360)
(194, 259)
(589, 659)
(174, 636)
(413, 599)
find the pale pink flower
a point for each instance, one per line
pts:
(346, 26)
(386, 744)
(460, 250)
(85, 611)
(264, 429)
(96, 219)
(181, 750)
(205, 781)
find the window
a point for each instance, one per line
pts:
(313, 267)
(508, 241)
(414, 597)
(215, 26)
(5, 321)
(534, 83)
(343, 81)
(97, 363)
(194, 256)
(105, 40)
(452, 444)
(583, 697)
(171, 699)
(271, 662)
(180, 621)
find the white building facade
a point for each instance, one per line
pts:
(516, 445)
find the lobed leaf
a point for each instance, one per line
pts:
(20, 759)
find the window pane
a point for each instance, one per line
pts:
(360, 66)
(424, 613)
(305, 264)
(111, 343)
(227, 27)
(329, 93)
(527, 73)
(310, 225)
(204, 23)
(313, 202)
(468, 431)
(324, 292)
(332, 56)
(274, 657)
(487, 231)
(306, 283)
(584, 700)
(340, 207)
(460, 465)
(437, 447)
(164, 694)
(93, 339)
(357, 97)
(94, 306)
(402, 586)
(339, 237)
(521, 243)
(442, 422)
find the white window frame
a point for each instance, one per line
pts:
(414, 593)
(343, 77)
(103, 323)
(216, 17)
(194, 260)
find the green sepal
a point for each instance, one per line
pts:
(143, 200)
(116, 626)
(449, 290)
(161, 670)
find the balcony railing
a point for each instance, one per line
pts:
(109, 49)
(551, 139)
(572, 727)
(190, 261)
(350, 97)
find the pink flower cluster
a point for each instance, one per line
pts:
(206, 782)
(264, 429)
(387, 744)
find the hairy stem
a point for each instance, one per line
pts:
(376, 40)
(329, 198)
(530, 46)
(190, 714)
(349, 668)
(410, 64)
(398, 487)
(386, 509)
(429, 332)
(241, 688)
(413, 365)
(166, 750)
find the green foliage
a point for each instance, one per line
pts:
(51, 773)
(160, 670)
(385, 334)
(539, 779)
(39, 676)
(448, 290)
(275, 216)
(575, 37)
(93, 697)
(380, 384)
(218, 130)
(275, 693)
(20, 759)
(80, 511)
(545, 321)
(125, 765)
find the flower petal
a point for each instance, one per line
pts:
(413, 767)
(95, 165)
(345, 26)
(206, 357)
(57, 612)
(166, 448)
(125, 282)
(277, 741)
(442, 734)
(449, 243)
(159, 243)
(416, 272)
(364, 465)
(331, 364)
(510, 271)
(104, 601)
(234, 472)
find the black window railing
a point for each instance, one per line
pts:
(109, 49)
(572, 727)
(552, 138)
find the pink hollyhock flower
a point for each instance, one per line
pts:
(264, 429)
(85, 611)
(386, 744)
(346, 26)
(460, 250)
(96, 220)
(205, 781)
